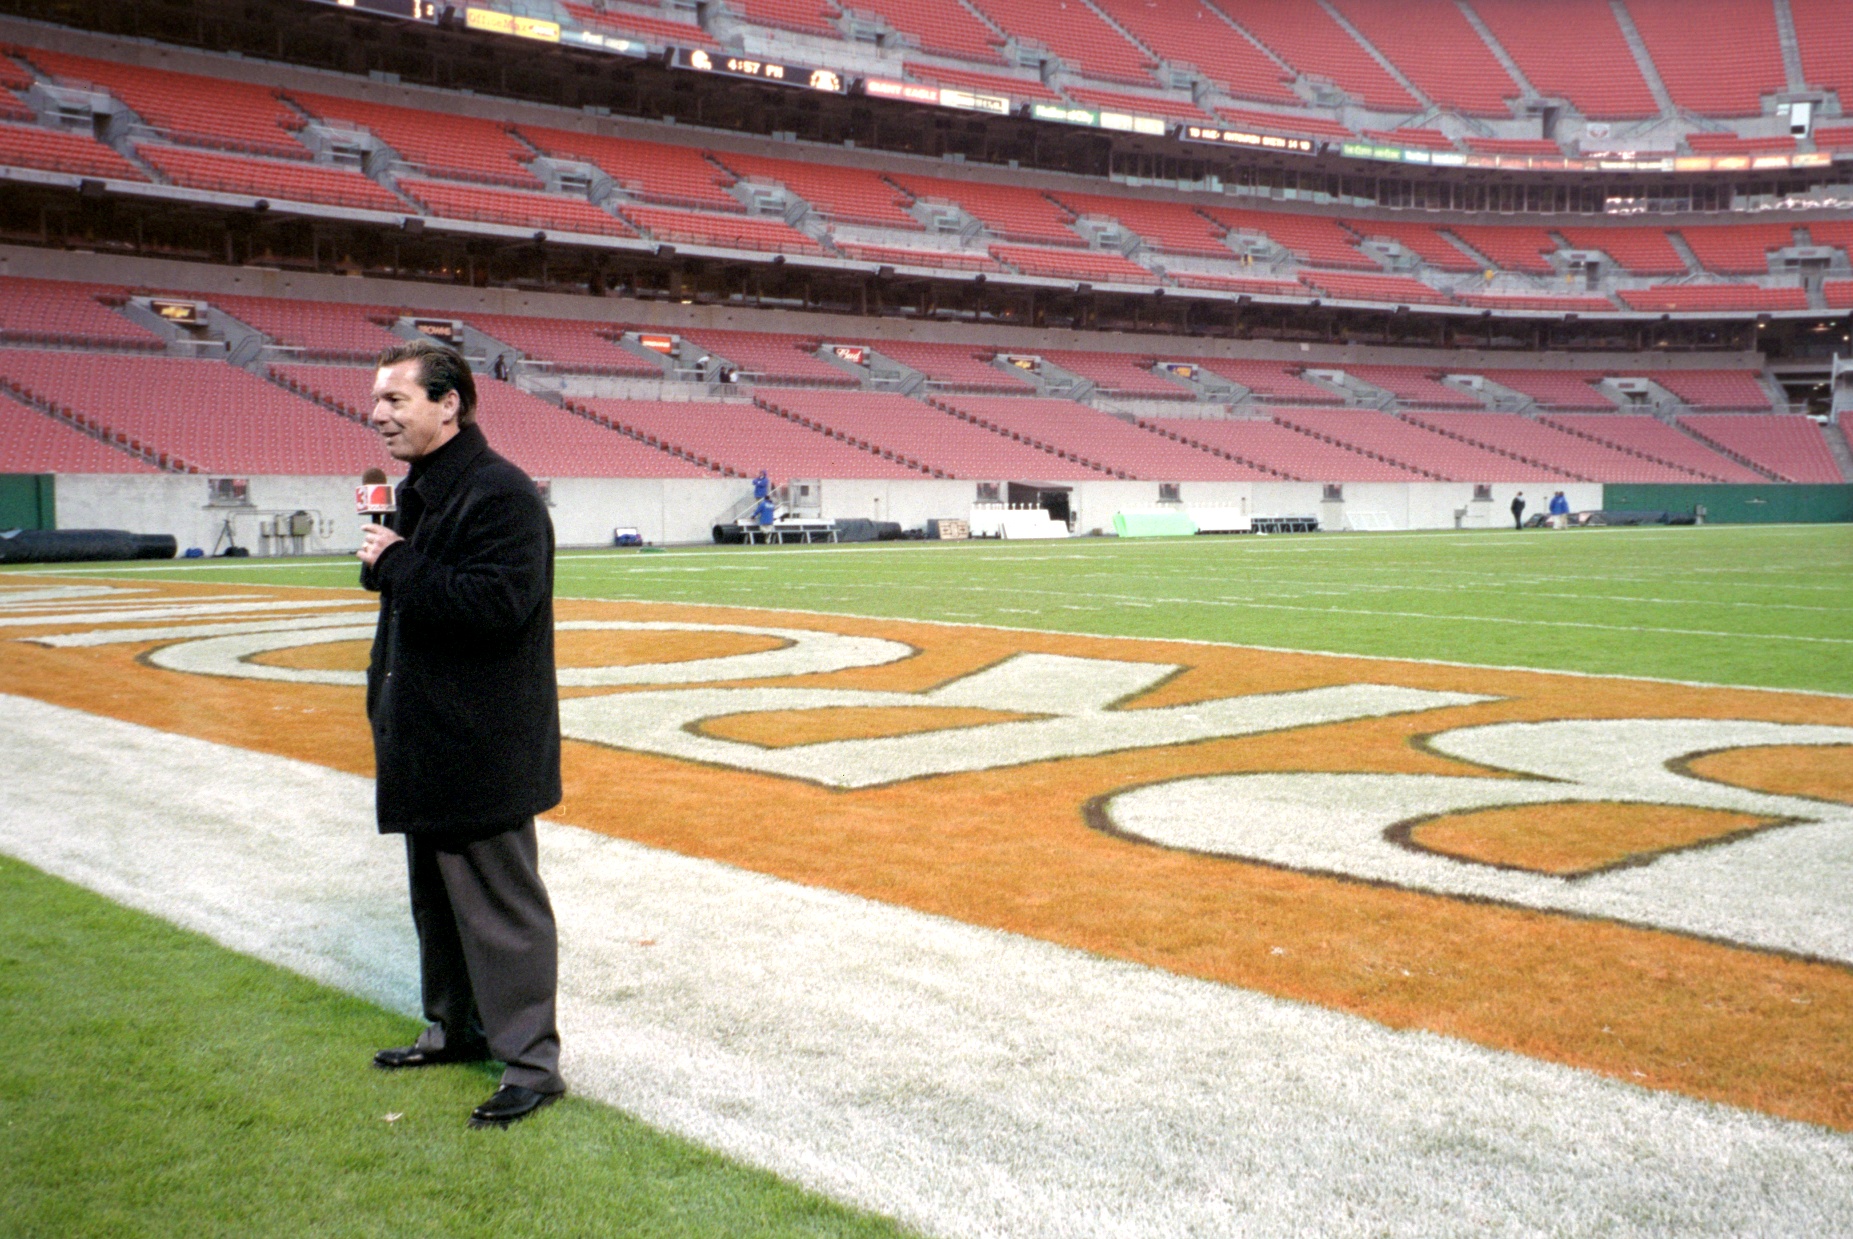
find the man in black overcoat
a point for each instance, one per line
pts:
(466, 727)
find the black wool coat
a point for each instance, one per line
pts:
(461, 690)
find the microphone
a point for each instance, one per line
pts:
(373, 498)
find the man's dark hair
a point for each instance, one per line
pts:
(440, 370)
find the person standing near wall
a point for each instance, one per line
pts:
(464, 705)
(1518, 510)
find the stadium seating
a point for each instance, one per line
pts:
(1733, 144)
(467, 148)
(1788, 446)
(34, 442)
(738, 232)
(1140, 105)
(654, 171)
(1239, 284)
(1650, 437)
(315, 329)
(640, 26)
(1118, 374)
(1299, 124)
(1546, 445)
(1716, 57)
(570, 344)
(1171, 227)
(1826, 43)
(741, 439)
(1640, 250)
(549, 442)
(1313, 43)
(1422, 139)
(1736, 249)
(1518, 303)
(1310, 238)
(1436, 48)
(898, 256)
(937, 441)
(954, 367)
(1271, 380)
(1018, 88)
(1572, 49)
(1513, 146)
(1675, 298)
(1007, 211)
(73, 315)
(1388, 289)
(1839, 294)
(1833, 137)
(1510, 247)
(1423, 240)
(1093, 438)
(817, 17)
(1413, 385)
(28, 146)
(515, 208)
(1715, 389)
(1404, 443)
(1076, 34)
(1194, 34)
(1093, 266)
(946, 29)
(198, 416)
(204, 111)
(1273, 449)
(1553, 389)
(844, 195)
(765, 357)
(14, 108)
(1835, 232)
(268, 178)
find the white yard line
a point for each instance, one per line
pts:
(966, 1081)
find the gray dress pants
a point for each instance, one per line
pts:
(487, 950)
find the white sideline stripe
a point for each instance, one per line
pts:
(199, 610)
(966, 1081)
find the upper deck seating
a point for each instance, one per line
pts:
(1510, 247)
(1270, 448)
(814, 17)
(58, 312)
(1094, 266)
(1438, 49)
(268, 178)
(1642, 250)
(898, 256)
(1413, 385)
(465, 148)
(1196, 35)
(1008, 211)
(1389, 289)
(1139, 105)
(1118, 374)
(948, 29)
(1674, 298)
(640, 26)
(1572, 49)
(847, 195)
(955, 367)
(654, 171)
(1546, 445)
(515, 208)
(1716, 57)
(1715, 389)
(1648, 436)
(1239, 284)
(28, 146)
(317, 329)
(1272, 380)
(1521, 303)
(768, 357)
(1172, 227)
(937, 441)
(1310, 238)
(738, 232)
(1404, 443)
(1018, 88)
(1074, 33)
(1553, 389)
(1839, 294)
(32, 442)
(1736, 249)
(1787, 445)
(573, 345)
(1424, 139)
(741, 439)
(1423, 240)
(1826, 41)
(1095, 438)
(204, 111)
(1296, 124)
(1308, 39)
(199, 415)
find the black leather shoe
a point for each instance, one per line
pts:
(417, 1056)
(511, 1104)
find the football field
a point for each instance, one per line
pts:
(1455, 883)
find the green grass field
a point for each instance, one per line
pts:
(157, 1084)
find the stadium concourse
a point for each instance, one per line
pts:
(990, 929)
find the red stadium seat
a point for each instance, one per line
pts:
(1788, 446)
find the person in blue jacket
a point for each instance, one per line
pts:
(1559, 505)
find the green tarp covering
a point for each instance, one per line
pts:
(1153, 525)
(1757, 504)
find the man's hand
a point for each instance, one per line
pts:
(374, 541)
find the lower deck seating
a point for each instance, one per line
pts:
(570, 344)
(1546, 445)
(317, 329)
(76, 154)
(934, 439)
(1388, 289)
(1273, 450)
(1094, 438)
(1414, 385)
(35, 442)
(1510, 247)
(734, 232)
(1647, 436)
(57, 312)
(515, 208)
(1093, 266)
(1715, 389)
(1414, 447)
(268, 178)
(1273, 380)
(740, 439)
(1119, 374)
(1553, 389)
(1839, 294)
(1789, 446)
(954, 367)
(764, 357)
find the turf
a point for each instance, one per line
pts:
(1745, 605)
(157, 1084)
